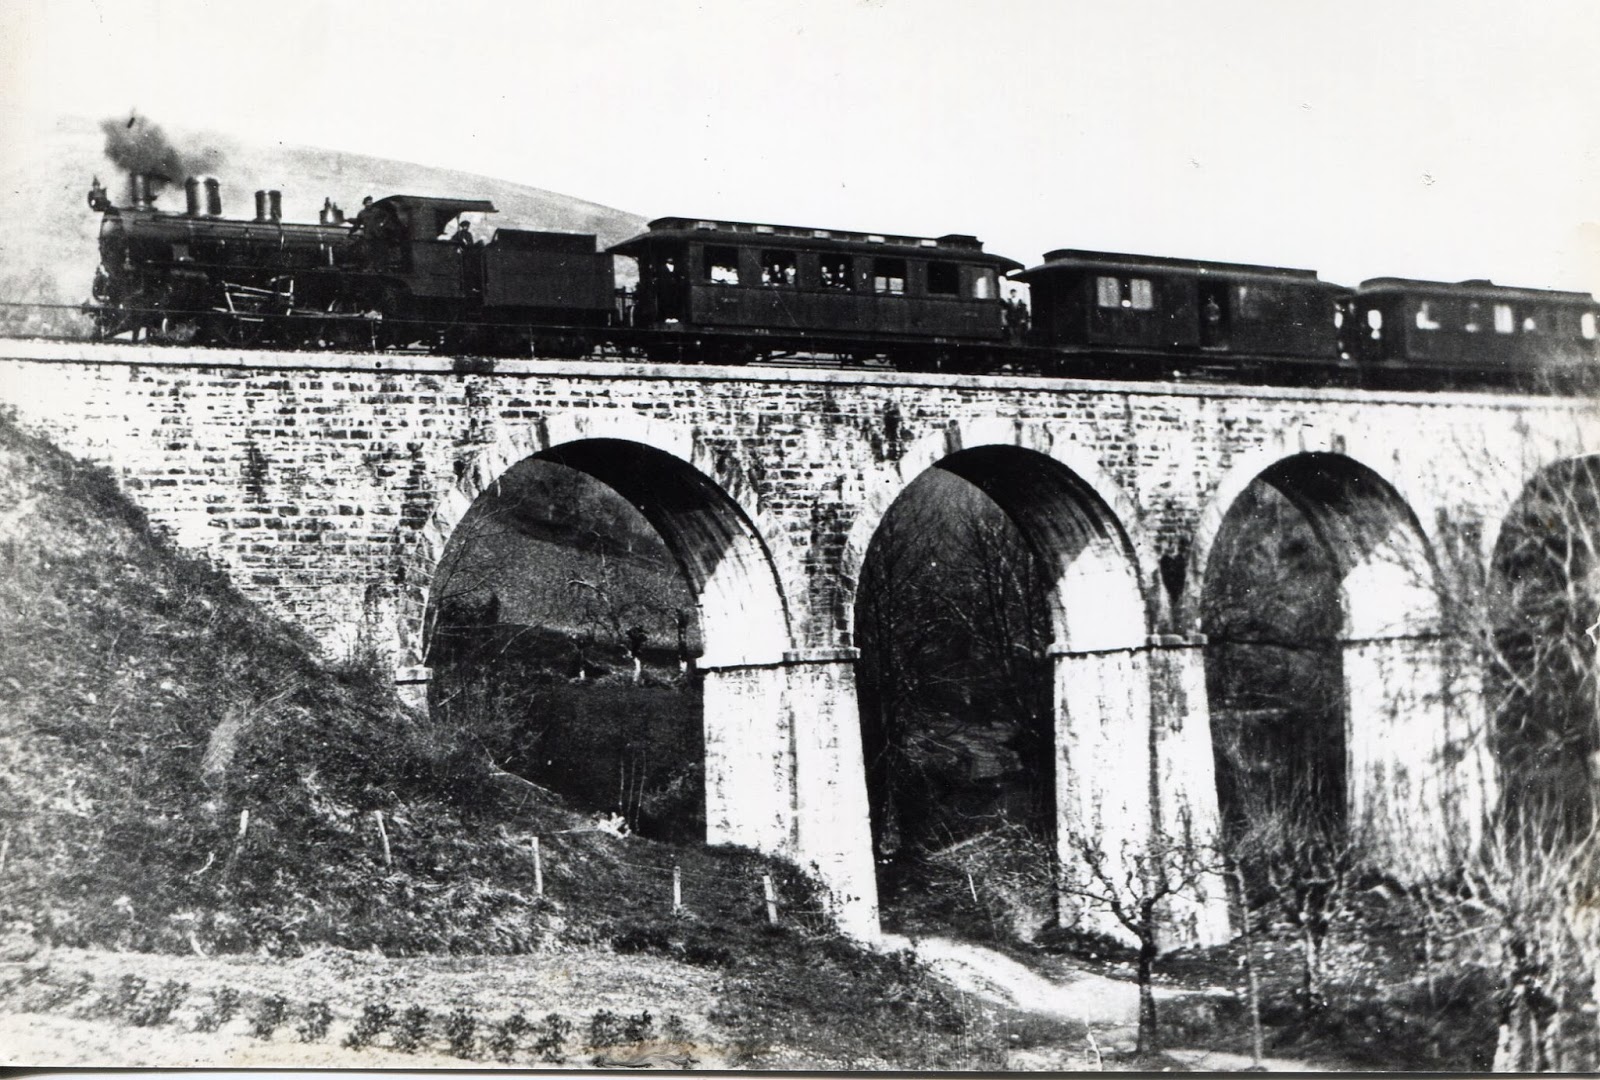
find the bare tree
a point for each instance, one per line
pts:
(1136, 886)
(1525, 891)
(1306, 867)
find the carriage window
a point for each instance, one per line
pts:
(983, 287)
(1374, 323)
(1504, 321)
(1474, 322)
(1254, 301)
(1586, 324)
(722, 265)
(944, 279)
(1136, 293)
(889, 276)
(838, 272)
(1425, 319)
(1530, 325)
(777, 268)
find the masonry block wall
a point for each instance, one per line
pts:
(327, 486)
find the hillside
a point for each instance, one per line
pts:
(48, 234)
(188, 782)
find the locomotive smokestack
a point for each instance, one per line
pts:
(213, 197)
(261, 206)
(140, 148)
(191, 197)
(139, 191)
(275, 205)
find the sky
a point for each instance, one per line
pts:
(1430, 139)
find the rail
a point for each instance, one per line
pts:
(475, 343)
(311, 331)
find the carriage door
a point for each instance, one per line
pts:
(666, 282)
(1213, 315)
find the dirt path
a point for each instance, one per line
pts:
(1110, 1006)
(1107, 1007)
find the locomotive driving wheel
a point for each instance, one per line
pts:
(239, 331)
(178, 331)
(348, 328)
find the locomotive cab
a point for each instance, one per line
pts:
(402, 234)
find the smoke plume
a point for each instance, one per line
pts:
(139, 147)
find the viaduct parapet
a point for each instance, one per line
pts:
(328, 486)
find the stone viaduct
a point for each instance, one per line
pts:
(328, 486)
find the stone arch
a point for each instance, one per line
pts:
(1542, 604)
(1114, 757)
(1083, 525)
(1413, 781)
(1407, 497)
(700, 499)
(1542, 450)
(697, 495)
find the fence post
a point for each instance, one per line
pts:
(383, 834)
(538, 869)
(677, 889)
(771, 897)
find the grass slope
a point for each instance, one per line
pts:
(185, 776)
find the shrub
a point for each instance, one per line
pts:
(675, 1030)
(638, 1028)
(412, 1029)
(552, 1040)
(55, 996)
(314, 1022)
(502, 1041)
(461, 1029)
(269, 1016)
(605, 1029)
(126, 997)
(640, 937)
(156, 1009)
(224, 1004)
(375, 1020)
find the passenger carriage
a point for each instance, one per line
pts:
(1127, 314)
(1431, 333)
(735, 291)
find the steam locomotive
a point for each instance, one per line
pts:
(739, 292)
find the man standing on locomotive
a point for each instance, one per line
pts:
(1016, 318)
